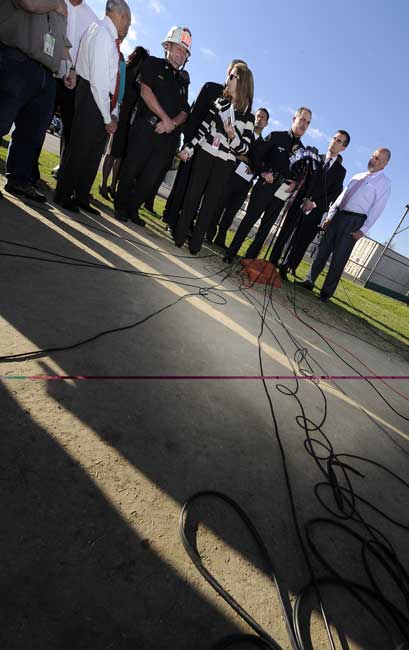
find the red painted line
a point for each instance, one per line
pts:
(206, 377)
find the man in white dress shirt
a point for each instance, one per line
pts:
(80, 17)
(96, 109)
(350, 217)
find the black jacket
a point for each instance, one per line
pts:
(208, 94)
(274, 153)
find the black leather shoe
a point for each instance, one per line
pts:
(283, 271)
(121, 216)
(27, 191)
(88, 208)
(138, 221)
(324, 297)
(305, 284)
(67, 204)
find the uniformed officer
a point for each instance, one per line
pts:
(154, 136)
(271, 161)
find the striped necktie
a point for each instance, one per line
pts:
(351, 191)
(114, 98)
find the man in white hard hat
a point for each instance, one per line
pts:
(154, 136)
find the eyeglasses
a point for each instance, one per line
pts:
(233, 76)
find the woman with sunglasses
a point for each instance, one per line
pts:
(226, 132)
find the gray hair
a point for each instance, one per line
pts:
(387, 152)
(117, 6)
(301, 109)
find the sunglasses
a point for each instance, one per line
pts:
(233, 76)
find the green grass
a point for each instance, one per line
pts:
(351, 300)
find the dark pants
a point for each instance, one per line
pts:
(306, 233)
(288, 226)
(83, 155)
(148, 156)
(262, 199)
(176, 197)
(338, 241)
(27, 92)
(231, 202)
(208, 178)
(65, 103)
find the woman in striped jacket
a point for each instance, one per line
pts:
(226, 133)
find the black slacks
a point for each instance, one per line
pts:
(338, 241)
(306, 233)
(177, 195)
(289, 225)
(232, 200)
(83, 155)
(262, 199)
(208, 178)
(148, 156)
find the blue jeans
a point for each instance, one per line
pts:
(27, 93)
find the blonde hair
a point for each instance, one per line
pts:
(244, 89)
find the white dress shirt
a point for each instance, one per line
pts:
(370, 199)
(98, 62)
(78, 20)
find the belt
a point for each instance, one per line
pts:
(353, 214)
(149, 119)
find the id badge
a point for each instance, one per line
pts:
(49, 44)
(216, 142)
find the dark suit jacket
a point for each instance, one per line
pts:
(325, 189)
(207, 95)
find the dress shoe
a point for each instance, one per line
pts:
(192, 252)
(104, 192)
(324, 297)
(67, 204)
(138, 221)
(27, 191)
(305, 284)
(283, 271)
(88, 208)
(120, 215)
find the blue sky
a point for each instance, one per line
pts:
(346, 60)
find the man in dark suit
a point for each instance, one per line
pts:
(207, 95)
(304, 217)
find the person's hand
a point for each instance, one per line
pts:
(291, 187)
(248, 170)
(229, 130)
(325, 223)
(308, 205)
(70, 80)
(184, 155)
(166, 125)
(268, 177)
(111, 127)
(61, 8)
(357, 234)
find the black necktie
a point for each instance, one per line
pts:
(327, 166)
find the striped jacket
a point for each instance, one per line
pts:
(212, 130)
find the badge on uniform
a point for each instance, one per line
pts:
(49, 44)
(216, 142)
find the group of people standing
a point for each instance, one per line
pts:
(143, 107)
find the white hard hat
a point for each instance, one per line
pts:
(181, 36)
